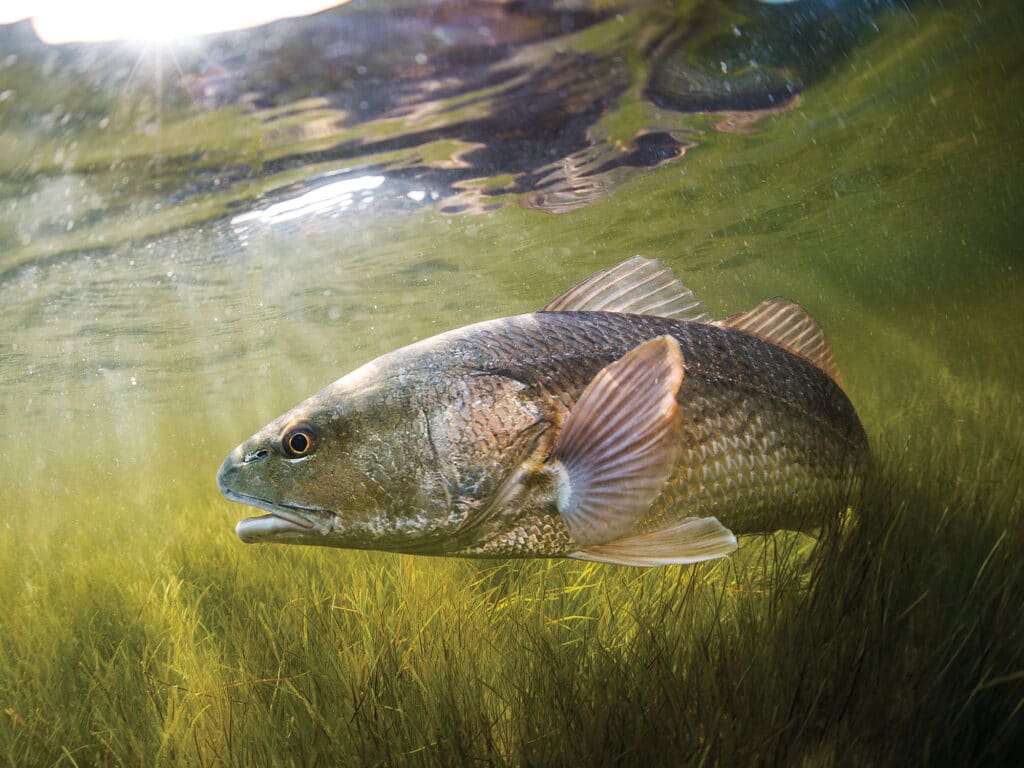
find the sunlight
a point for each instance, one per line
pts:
(63, 21)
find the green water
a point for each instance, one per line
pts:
(147, 333)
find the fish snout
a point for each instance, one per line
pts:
(227, 475)
(236, 461)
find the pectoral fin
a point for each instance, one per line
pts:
(620, 443)
(688, 541)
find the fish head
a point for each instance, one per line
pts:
(351, 466)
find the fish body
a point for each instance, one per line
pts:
(587, 430)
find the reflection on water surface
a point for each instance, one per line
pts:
(470, 104)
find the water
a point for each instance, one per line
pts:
(194, 239)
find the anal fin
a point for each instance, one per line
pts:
(692, 540)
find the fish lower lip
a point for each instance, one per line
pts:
(255, 529)
(283, 518)
(296, 521)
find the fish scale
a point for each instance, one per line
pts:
(763, 429)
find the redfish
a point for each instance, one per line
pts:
(618, 424)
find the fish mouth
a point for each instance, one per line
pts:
(285, 521)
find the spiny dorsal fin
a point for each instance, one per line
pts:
(691, 540)
(786, 324)
(620, 443)
(637, 286)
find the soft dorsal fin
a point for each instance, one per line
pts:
(691, 540)
(620, 443)
(637, 286)
(786, 324)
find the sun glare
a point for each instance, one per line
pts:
(64, 21)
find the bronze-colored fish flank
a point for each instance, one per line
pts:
(608, 434)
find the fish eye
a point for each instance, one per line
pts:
(298, 441)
